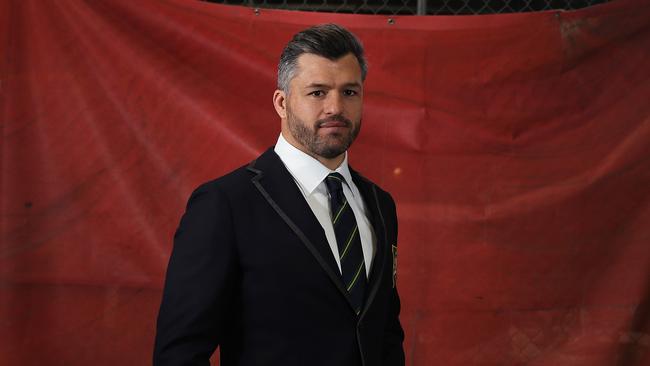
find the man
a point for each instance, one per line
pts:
(290, 260)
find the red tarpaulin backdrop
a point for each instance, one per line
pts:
(516, 146)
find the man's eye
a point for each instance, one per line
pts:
(317, 93)
(349, 93)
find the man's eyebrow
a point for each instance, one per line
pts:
(352, 85)
(317, 85)
(326, 86)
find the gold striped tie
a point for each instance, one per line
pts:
(353, 266)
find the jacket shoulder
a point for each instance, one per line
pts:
(229, 180)
(232, 185)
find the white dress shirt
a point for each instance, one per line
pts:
(309, 174)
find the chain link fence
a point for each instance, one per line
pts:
(416, 7)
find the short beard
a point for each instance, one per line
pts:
(328, 147)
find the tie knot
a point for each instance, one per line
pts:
(334, 182)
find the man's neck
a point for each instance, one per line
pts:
(331, 164)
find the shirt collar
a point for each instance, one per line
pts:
(308, 171)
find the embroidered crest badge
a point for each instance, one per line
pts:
(394, 265)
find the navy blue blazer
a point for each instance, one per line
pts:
(252, 273)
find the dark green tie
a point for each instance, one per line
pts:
(353, 267)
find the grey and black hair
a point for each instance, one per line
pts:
(327, 40)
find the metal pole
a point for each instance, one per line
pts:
(422, 7)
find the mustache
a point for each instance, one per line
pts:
(334, 118)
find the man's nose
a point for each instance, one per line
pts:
(333, 104)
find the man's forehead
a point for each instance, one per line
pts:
(345, 68)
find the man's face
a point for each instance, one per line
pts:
(323, 107)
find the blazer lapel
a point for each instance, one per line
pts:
(275, 183)
(369, 192)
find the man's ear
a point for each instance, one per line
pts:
(280, 103)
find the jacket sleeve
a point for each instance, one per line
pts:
(198, 286)
(393, 351)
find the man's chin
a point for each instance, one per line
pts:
(335, 137)
(331, 151)
(330, 154)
